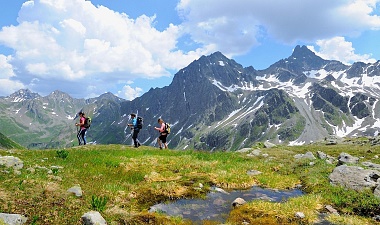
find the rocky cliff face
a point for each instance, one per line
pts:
(216, 104)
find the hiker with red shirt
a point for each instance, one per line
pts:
(81, 135)
(163, 133)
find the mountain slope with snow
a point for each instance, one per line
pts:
(216, 104)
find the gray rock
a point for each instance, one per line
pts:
(253, 172)
(307, 155)
(321, 155)
(255, 152)
(376, 218)
(354, 177)
(12, 219)
(238, 202)
(220, 190)
(376, 192)
(331, 209)
(244, 150)
(330, 160)
(11, 161)
(93, 218)
(300, 215)
(77, 190)
(267, 144)
(371, 165)
(31, 170)
(331, 140)
(345, 158)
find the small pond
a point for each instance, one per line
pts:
(217, 205)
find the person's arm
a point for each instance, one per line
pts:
(133, 124)
(160, 129)
(81, 122)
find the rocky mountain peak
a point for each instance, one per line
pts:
(303, 52)
(110, 96)
(22, 95)
(59, 95)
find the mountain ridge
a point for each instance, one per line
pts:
(215, 103)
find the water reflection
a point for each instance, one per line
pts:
(217, 205)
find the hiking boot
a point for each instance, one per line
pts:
(160, 147)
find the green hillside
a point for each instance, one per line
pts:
(122, 183)
(7, 143)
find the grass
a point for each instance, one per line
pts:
(7, 143)
(122, 183)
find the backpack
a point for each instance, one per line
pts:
(167, 128)
(87, 122)
(139, 122)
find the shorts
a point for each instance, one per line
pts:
(162, 138)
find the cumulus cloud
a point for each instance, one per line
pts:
(7, 83)
(234, 27)
(59, 41)
(129, 93)
(338, 48)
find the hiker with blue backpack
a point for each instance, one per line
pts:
(83, 124)
(164, 130)
(136, 125)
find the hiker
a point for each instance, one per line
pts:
(163, 133)
(136, 130)
(81, 135)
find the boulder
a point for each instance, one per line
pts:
(256, 152)
(253, 172)
(12, 219)
(331, 209)
(307, 155)
(244, 150)
(267, 144)
(238, 202)
(11, 161)
(77, 190)
(345, 158)
(93, 218)
(321, 155)
(300, 215)
(371, 165)
(354, 177)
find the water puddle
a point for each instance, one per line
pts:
(217, 205)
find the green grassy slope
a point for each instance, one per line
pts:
(7, 143)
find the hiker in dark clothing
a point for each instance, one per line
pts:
(81, 135)
(135, 129)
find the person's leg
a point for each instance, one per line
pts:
(159, 142)
(83, 136)
(134, 137)
(84, 131)
(164, 141)
(79, 137)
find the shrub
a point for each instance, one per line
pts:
(98, 203)
(62, 154)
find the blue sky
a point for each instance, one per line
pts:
(86, 48)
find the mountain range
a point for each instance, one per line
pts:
(215, 104)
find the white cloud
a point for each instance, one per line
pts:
(234, 27)
(338, 48)
(64, 41)
(6, 69)
(7, 82)
(129, 93)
